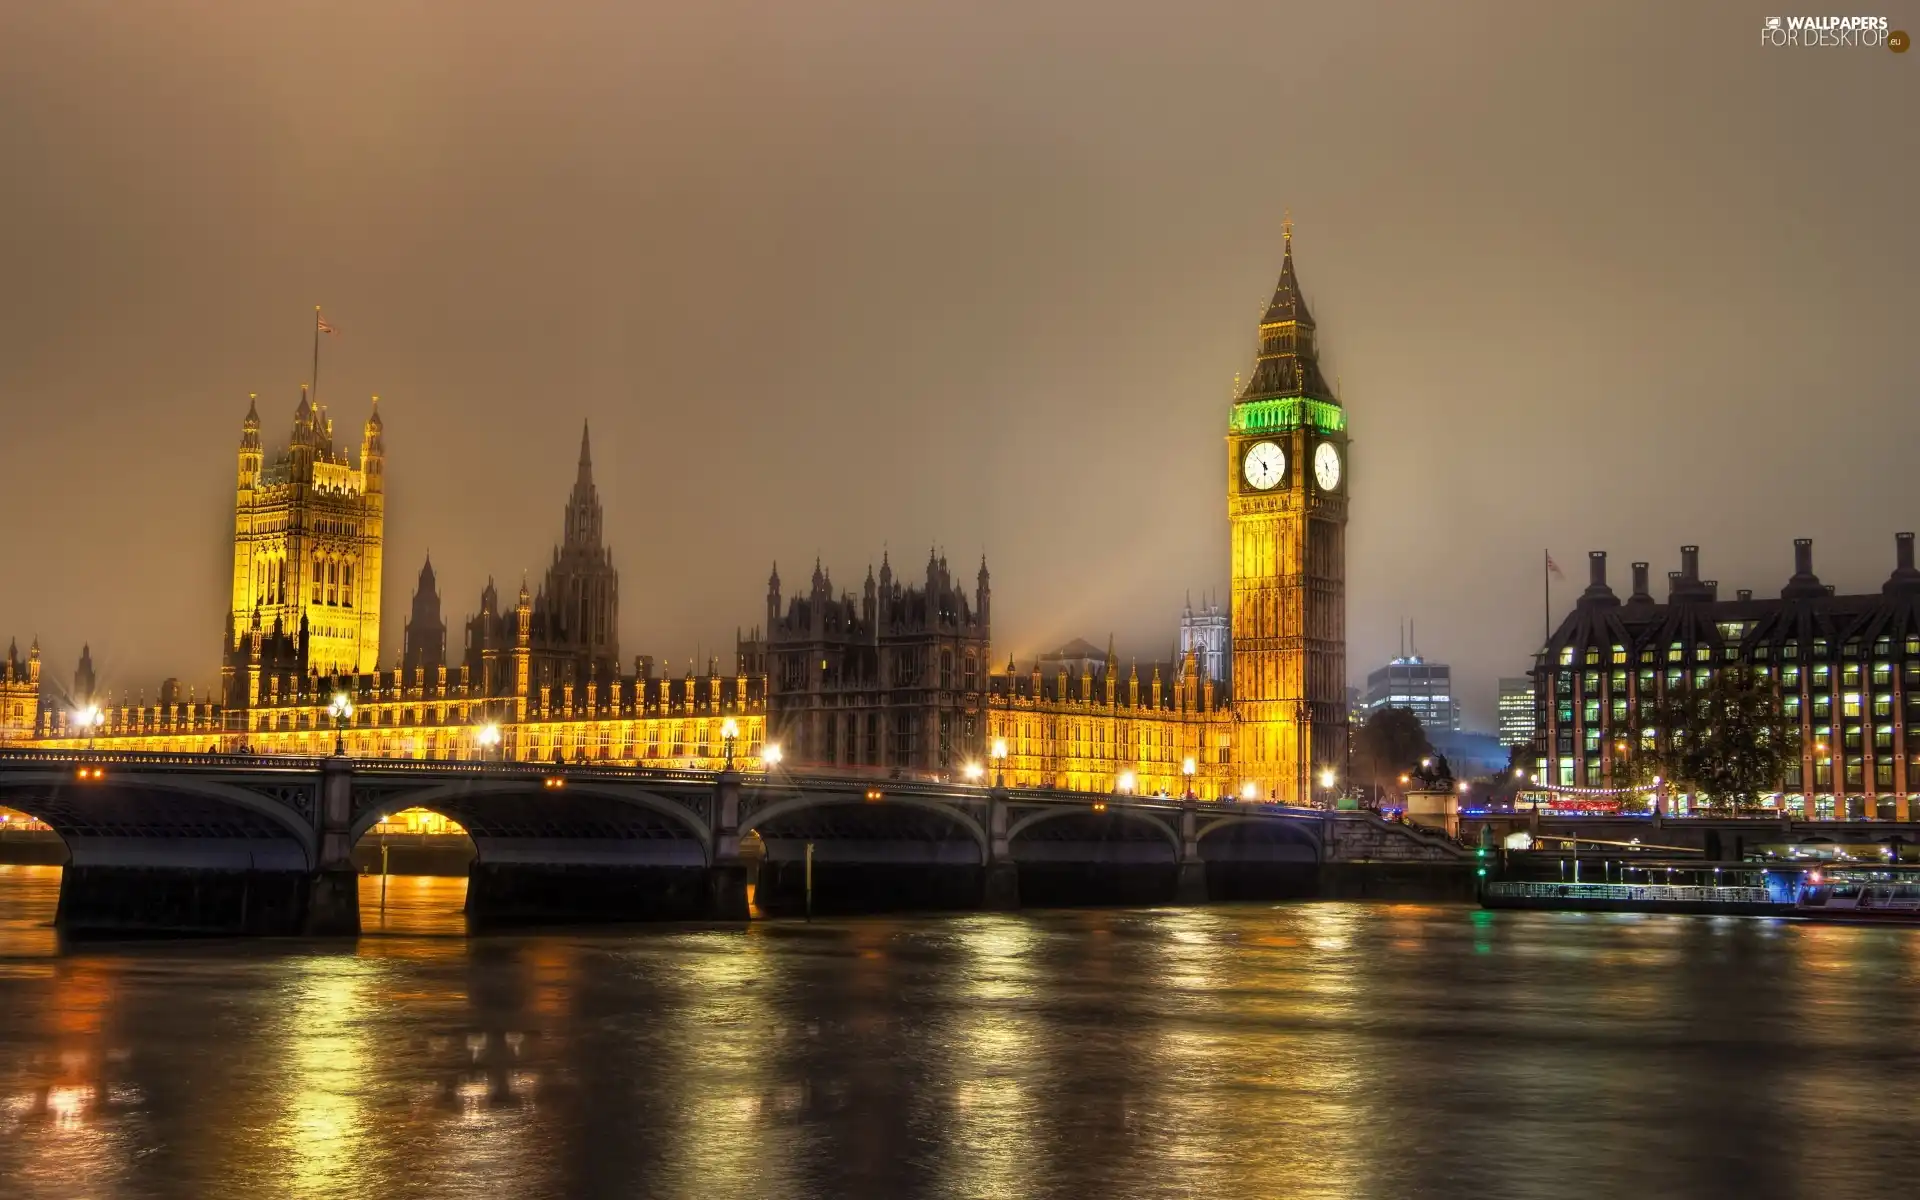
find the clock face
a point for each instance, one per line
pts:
(1263, 466)
(1326, 466)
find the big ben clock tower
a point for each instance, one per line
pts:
(1287, 506)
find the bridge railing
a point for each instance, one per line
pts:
(777, 780)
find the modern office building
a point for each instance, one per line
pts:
(1413, 682)
(1516, 712)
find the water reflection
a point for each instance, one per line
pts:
(1306, 1050)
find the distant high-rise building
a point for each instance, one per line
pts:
(1516, 712)
(1413, 682)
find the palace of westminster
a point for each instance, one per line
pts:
(898, 679)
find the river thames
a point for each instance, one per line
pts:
(1325, 1050)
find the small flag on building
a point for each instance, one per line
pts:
(320, 324)
(1553, 568)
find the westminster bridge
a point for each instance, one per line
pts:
(223, 844)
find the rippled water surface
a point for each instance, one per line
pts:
(1304, 1050)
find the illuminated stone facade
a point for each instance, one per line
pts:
(1096, 729)
(1285, 724)
(538, 682)
(1287, 505)
(19, 694)
(307, 535)
(640, 721)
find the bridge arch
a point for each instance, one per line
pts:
(767, 821)
(1134, 816)
(495, 812)
(113, 817)
(1288, 832)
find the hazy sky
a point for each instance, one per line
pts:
(844, 274)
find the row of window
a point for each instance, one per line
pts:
(1678, 652)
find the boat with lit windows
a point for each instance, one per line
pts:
(1863, 895)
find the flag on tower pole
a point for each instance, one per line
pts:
(1551, 573)
(320, 326)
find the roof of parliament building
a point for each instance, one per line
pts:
(1694, 614)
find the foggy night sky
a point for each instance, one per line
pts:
(839, 274)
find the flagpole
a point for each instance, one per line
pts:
(315, 384)
(1546, 589)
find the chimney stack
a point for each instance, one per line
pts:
(1689, 563)
(1744, 594)
(1596, 569)
(1640, 591)
(1904, 578)
(1804, 585)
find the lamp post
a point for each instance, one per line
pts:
(974, 772)
(90, 719)
(771, 755)
(1187, 769)
(342, 710)
(1327, 780)
(1124, 784)
(729, 734)
(488, 738)
(999, 753)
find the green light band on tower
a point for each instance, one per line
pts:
(1287, 413)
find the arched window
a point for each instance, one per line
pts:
(346, 585)
(319, 576)
(333, 582)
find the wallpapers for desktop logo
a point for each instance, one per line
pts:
(1847, 32)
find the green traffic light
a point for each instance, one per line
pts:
(1482, 872)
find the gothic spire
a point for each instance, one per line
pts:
(583, 506)
(1286, 364)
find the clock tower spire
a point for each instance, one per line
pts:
(1287, 507)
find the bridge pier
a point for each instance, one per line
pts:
(333, 891)
(727, 874)
(1190, 881)
(1000, 884)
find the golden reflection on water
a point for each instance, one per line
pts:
(326, 1123)
(1323, 1050)
(992, 1110)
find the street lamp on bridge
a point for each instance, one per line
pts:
(771, 755)
(342, 710)
(90, 719)
(999, 753)
(1187, 768)
(729, 734)
(488, 737)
